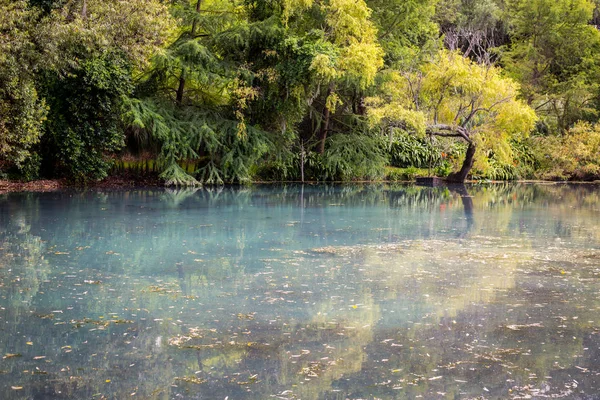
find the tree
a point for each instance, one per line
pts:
(192, 103)
(350, 60)
(451, 96)
(255, 77)
(92, 49)
(475, 27)
(555, 55)
(22, 112)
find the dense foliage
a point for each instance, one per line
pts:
(215, 91)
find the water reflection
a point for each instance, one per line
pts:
(306, 292)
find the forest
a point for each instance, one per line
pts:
(234, 91)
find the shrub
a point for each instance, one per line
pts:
(84, 120)
(573, 156)
(395, 174)
(354, 156)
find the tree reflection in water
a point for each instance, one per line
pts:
(311, 292)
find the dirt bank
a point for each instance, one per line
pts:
(112, 182)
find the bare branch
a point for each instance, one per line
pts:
(445, 130)
(474, 111)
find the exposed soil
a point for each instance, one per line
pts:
(35, 186)
(112, 182)
(127, 181)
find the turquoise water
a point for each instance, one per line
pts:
(291, 292)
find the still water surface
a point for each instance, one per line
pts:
(314, 292)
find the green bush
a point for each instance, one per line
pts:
(408, 150)
(29, 170)
(573, 156)
(395, 174)
(440, 154)
(444, 169)
(499, 171)
(354, 156)
(83, 124)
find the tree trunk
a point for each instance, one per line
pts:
(180, 89)
(461, 176)
(362, 107)
(323, 133)
(325, 125)
(302, 161)
(195, 23)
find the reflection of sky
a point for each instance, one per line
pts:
(286, 283)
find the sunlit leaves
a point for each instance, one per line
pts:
(324, 67)
(457, 93)
(360, 62)
(360, 56)
(137, 28)
(350, 20)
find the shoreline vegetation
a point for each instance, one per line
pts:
(201, 92)
(129, 182)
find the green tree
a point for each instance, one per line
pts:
(84, 120)
(257, 79)
(406, 30)
(475, 27)
(22, 112)
(192, 103)
(92, 50)
(555, 55)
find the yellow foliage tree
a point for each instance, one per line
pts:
(451, 96)
(350, 58)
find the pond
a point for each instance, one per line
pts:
(301, 292)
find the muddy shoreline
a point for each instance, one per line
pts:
(127, 182)
(50, 185)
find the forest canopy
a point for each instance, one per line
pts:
(214, 91)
